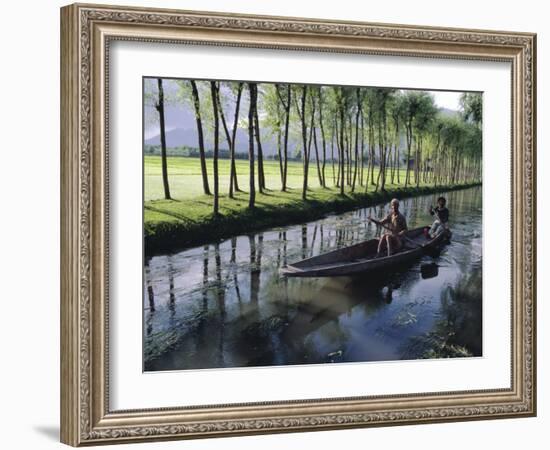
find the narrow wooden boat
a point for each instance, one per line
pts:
(361, 258)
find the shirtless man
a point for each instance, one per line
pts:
(396, 224)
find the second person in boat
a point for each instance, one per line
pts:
(441, 214)
(396, 226)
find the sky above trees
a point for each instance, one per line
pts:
(179, 114)
(369, 127)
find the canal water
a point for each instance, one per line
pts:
(226, 305)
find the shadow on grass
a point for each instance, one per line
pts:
(235, 218)
(170, 213)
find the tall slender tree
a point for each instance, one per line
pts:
(286, 101)
(332, 158)
(424, 117)
(357, 117)
(317, 157)
(323, 136)
(233, 181)
(369, 104)
(279, 133)
(160, 108)
(214, 91)
(314, 94)
(342, 104)
(409, 110)
(231, 136)
(261, 173)
(252, 187)
(198, 119)
(396, 114)
(302, 109)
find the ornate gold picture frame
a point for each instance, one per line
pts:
(87, 31)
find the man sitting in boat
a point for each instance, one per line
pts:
(396, 224)
(441, 213)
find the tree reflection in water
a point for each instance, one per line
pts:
(225, 305)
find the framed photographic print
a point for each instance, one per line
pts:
(280, 224)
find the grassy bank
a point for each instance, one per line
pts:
(180, 223)
(186, 181)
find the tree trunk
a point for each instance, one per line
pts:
(418, 160)
(261, 175)
(341, 164)
(337, 139)
(286, 106)
(332, 155)
(386, 153)
(319, 175)
(279, 137)
(349, 142)
(252, 187)
(311, 135)
(346, 152)
(230, 139)
(287, 124)
(302, 114)
(362, 166)
(196, 104)
(215, 103)
(398, 164)
(233, 183)
(357, 114)
(391, 159)
(164, 164)
(381, 156)
(323, 139)
(370, 152)
(409, 144)
(371, 147)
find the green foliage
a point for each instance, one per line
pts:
(471, 104)
(417, 108)
(383, 133)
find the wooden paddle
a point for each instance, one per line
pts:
(432, 209)
(405, 238)
(436, 213)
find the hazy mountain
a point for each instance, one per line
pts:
(446, 112)
(183, 132)
(179, 137)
